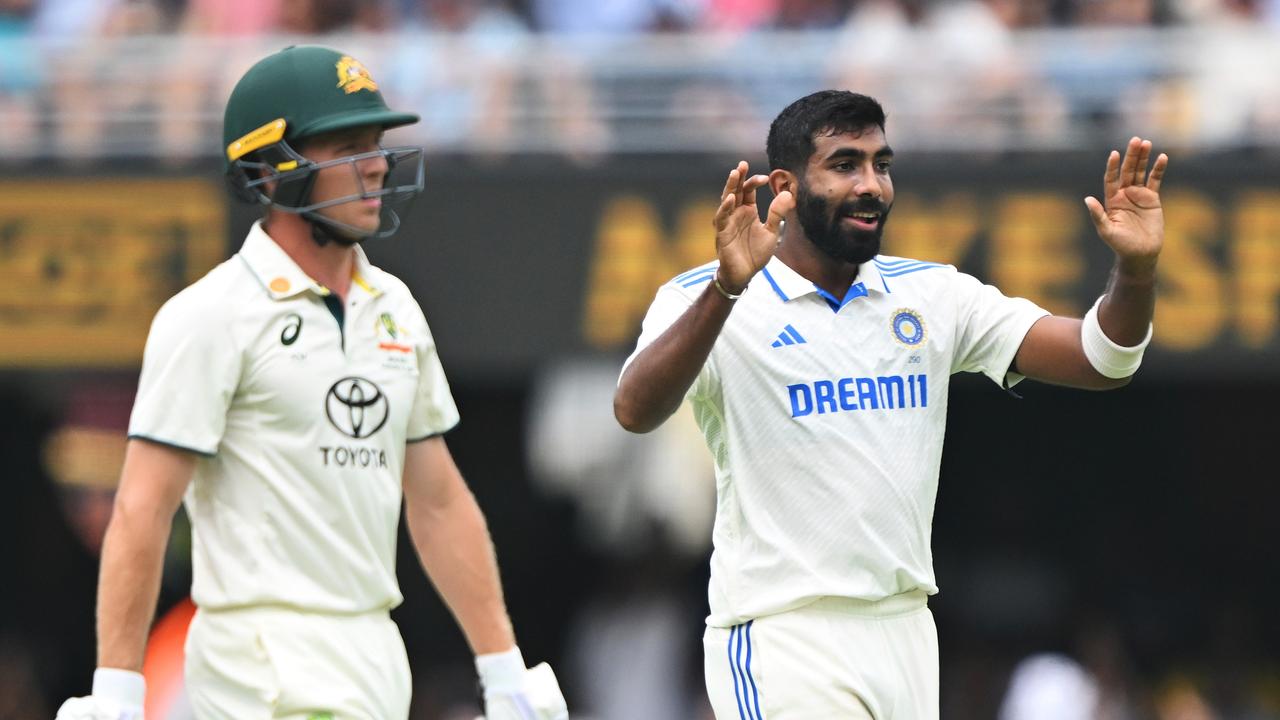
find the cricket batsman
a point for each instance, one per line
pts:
(293, 400)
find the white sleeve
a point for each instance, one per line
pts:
(667, 307)
(990, 329)
(190, 371)
(434, 411)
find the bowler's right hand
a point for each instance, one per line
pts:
(743, 243)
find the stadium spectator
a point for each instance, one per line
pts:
(736, 15)
(1005, 98)
(810, 14)
(97, 76)
(22, 79)
(317, 17)
(65, 19)
(1094, 71)
(231, 17)
(1115, 13)
(456, 66)
(1232, 91)
(604, 16)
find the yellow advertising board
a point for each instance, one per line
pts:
(85, 263)
(1219, 277)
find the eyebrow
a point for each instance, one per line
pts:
(856, 154)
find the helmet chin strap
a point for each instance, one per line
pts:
(325, 229)
(324, 233)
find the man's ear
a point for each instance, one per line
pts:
(780, 180)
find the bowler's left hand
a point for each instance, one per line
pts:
(1130, 219)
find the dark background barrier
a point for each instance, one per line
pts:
(530, 258)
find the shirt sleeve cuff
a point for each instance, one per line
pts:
(1007, 378)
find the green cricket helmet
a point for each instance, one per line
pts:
(300, 92)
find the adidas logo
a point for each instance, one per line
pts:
(788, 336)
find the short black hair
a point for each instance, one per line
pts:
(826, 112)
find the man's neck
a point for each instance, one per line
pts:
(331, 264)
(800, 254)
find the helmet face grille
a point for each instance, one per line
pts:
(404, 180)
(298, 93)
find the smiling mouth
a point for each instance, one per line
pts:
(866, 221)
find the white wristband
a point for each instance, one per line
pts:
(501, 673)
(1109, 359)
(123, 686)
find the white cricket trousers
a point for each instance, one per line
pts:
(834, 658)
(269, 662)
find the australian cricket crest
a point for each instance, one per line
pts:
(353, 76)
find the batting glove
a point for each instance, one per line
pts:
(512, 692)
(117, 695)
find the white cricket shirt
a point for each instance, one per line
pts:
(825, 418)
(301, 424)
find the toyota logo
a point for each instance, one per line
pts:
(356, 407)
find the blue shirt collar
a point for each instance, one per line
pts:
(789, 284)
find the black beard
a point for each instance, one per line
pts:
(823, 227)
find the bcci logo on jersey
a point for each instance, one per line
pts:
(907, 327)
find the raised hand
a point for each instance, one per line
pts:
(1130, 219)
(743, 243)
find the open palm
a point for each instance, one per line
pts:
(743, 243)
(1131, 221)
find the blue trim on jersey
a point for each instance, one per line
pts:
(910, 269)
(831, 299)
(890, 265)
(694, 271)
(895, 263)
(774, 283)
(885, 284)
(695, 275)
(733, 668)
(699, 280)
(901, 264)
(792, 332)
(854, 292)
(754, 692)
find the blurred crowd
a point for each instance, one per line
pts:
(586, 78)
(86, 18)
